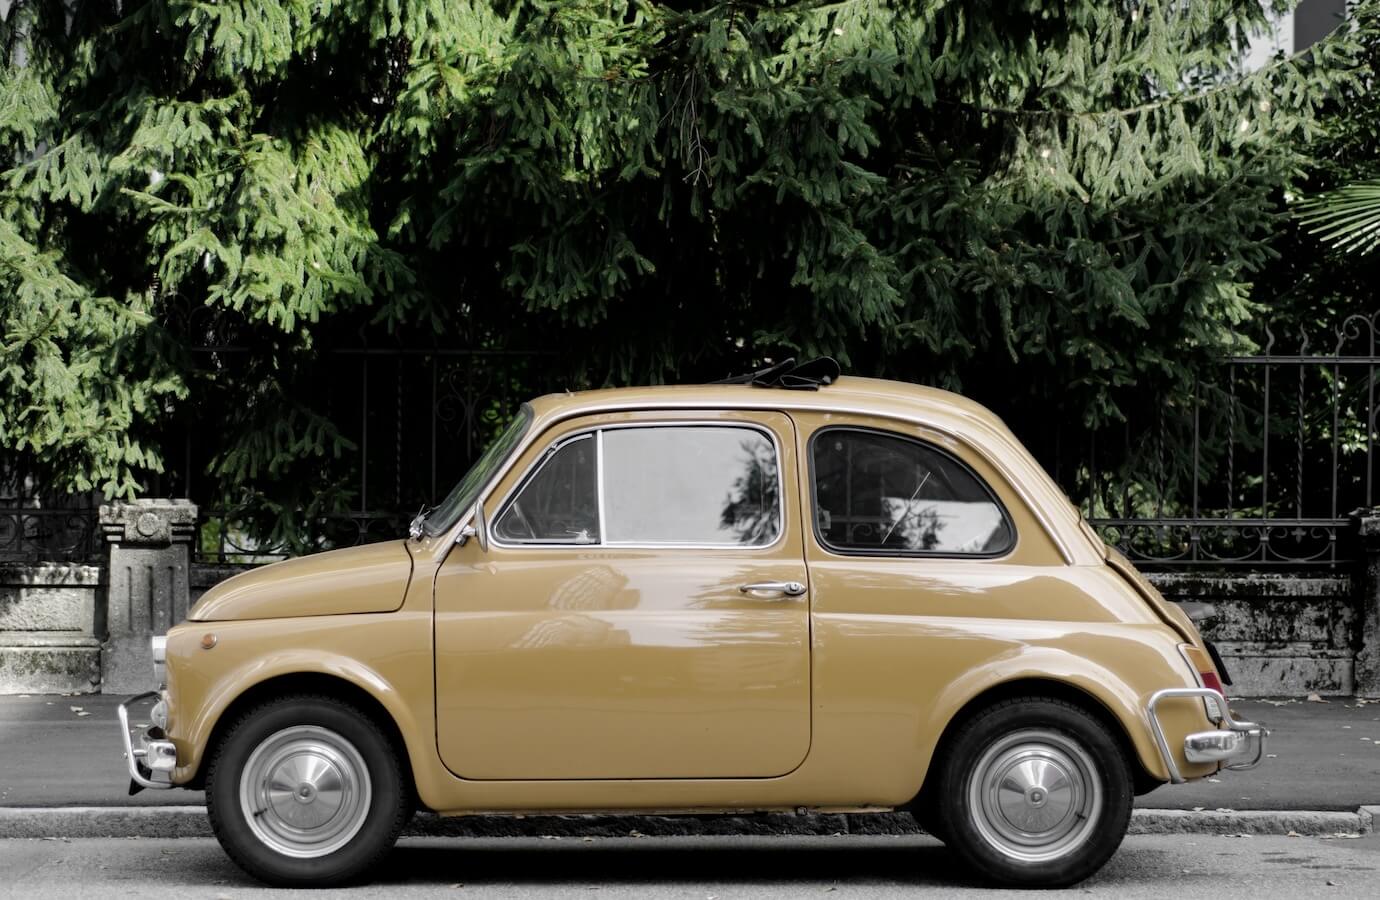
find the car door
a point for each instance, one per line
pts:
(640, 612)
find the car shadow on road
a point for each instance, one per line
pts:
(576, 862)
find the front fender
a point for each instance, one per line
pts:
(387, 656)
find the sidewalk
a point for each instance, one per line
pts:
(1323, 757)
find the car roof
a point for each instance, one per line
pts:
(876, 396)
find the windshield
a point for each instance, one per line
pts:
(463, 496)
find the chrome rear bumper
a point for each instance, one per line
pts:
(152, 762)
(1235, 744)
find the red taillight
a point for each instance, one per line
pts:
(1202, 664)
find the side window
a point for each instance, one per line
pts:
(690, 485)
(559, 503)
(881, 493)
(662, 484)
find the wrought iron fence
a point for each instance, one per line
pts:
(414, 419)
(36, 524)
(1260, 466)
(30, 534)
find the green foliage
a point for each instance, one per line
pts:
(1317, 281)
(1347, 218)
(1057, 208)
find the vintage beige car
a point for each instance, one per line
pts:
(694, 599)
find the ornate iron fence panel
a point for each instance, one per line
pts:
(1263, 466)
(30, 534)
(41, 525)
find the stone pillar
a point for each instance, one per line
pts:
(1368, 654)
(149, 560)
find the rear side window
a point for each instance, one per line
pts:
(663, 485)
(882, 493)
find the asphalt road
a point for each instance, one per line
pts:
(1182, 866)
(1326, 756)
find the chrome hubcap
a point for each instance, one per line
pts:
(1035, 795)
(305, 791)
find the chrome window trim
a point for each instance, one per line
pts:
(883, 552)
(599, 480)
(547, 455)
(785, 406)
(602, 544)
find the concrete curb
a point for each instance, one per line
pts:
(191, 821)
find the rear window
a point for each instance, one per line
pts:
(882, 493)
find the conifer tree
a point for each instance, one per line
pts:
(1055, 207)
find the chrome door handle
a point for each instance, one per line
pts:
(788, 588)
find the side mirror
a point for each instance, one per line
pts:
(477, 528)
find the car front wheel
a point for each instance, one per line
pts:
(305, 791)
(1035, 792)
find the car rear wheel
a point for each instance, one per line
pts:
(1035, 792)
(306, 790)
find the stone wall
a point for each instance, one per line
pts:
(50, 616)
(1278, 634)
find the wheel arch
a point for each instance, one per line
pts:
(1054, 689)
(308, 683)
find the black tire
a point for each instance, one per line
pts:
(351, 799)
(1034, 792)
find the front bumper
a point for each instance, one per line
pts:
(151, 763)
(1234, 744)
